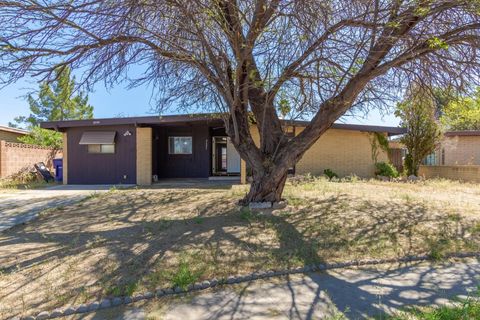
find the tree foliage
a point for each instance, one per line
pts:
(305, 59)
(43, 137)
(417, 114)
(56, 101)
(462, 113)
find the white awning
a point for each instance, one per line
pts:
(98, 137)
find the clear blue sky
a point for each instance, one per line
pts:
(120, 101)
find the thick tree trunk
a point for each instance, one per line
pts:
(267, 185)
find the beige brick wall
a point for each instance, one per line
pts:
(144, 156)
(345, 152)
(463, 173)
(15, 157)
(460, 150)
(10, 136)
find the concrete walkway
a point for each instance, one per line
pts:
(20, 206)
(351, 293)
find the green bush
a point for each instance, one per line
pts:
(385, 169)
(330, 174)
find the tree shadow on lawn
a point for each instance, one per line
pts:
(124, 242)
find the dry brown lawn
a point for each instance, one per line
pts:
(126, 241)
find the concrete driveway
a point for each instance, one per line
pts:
(339, 294)
(20, 206)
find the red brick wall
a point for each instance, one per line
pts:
(15, 157)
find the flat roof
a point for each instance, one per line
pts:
(196, 118)
(13, 130)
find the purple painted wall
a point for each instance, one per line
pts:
(195, 165)
(88, 168)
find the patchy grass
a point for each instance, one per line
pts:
(126, 241)
(462, 309)
(10, 185)
(184, 275)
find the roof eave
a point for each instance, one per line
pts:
(174, 119)
(14, 130)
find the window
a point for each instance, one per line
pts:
(180, 145)
(430, 160)
(101, 148)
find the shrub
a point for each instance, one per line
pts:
(385, 169)
(330, 174)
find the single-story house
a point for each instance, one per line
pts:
(139, 150)
(9, 134)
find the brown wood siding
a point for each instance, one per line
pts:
(195, 165)
(87, 168)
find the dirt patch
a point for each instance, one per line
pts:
(126, 241)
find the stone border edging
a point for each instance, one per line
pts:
(117, 301)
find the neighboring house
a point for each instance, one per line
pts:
(141, 149)
(11, 134)
(457, 148)
(457, 157)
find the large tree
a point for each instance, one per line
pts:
(250, 58)
(417, 115)
(57, 100)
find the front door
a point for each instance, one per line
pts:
(225, 158)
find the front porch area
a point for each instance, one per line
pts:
(186, 151)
